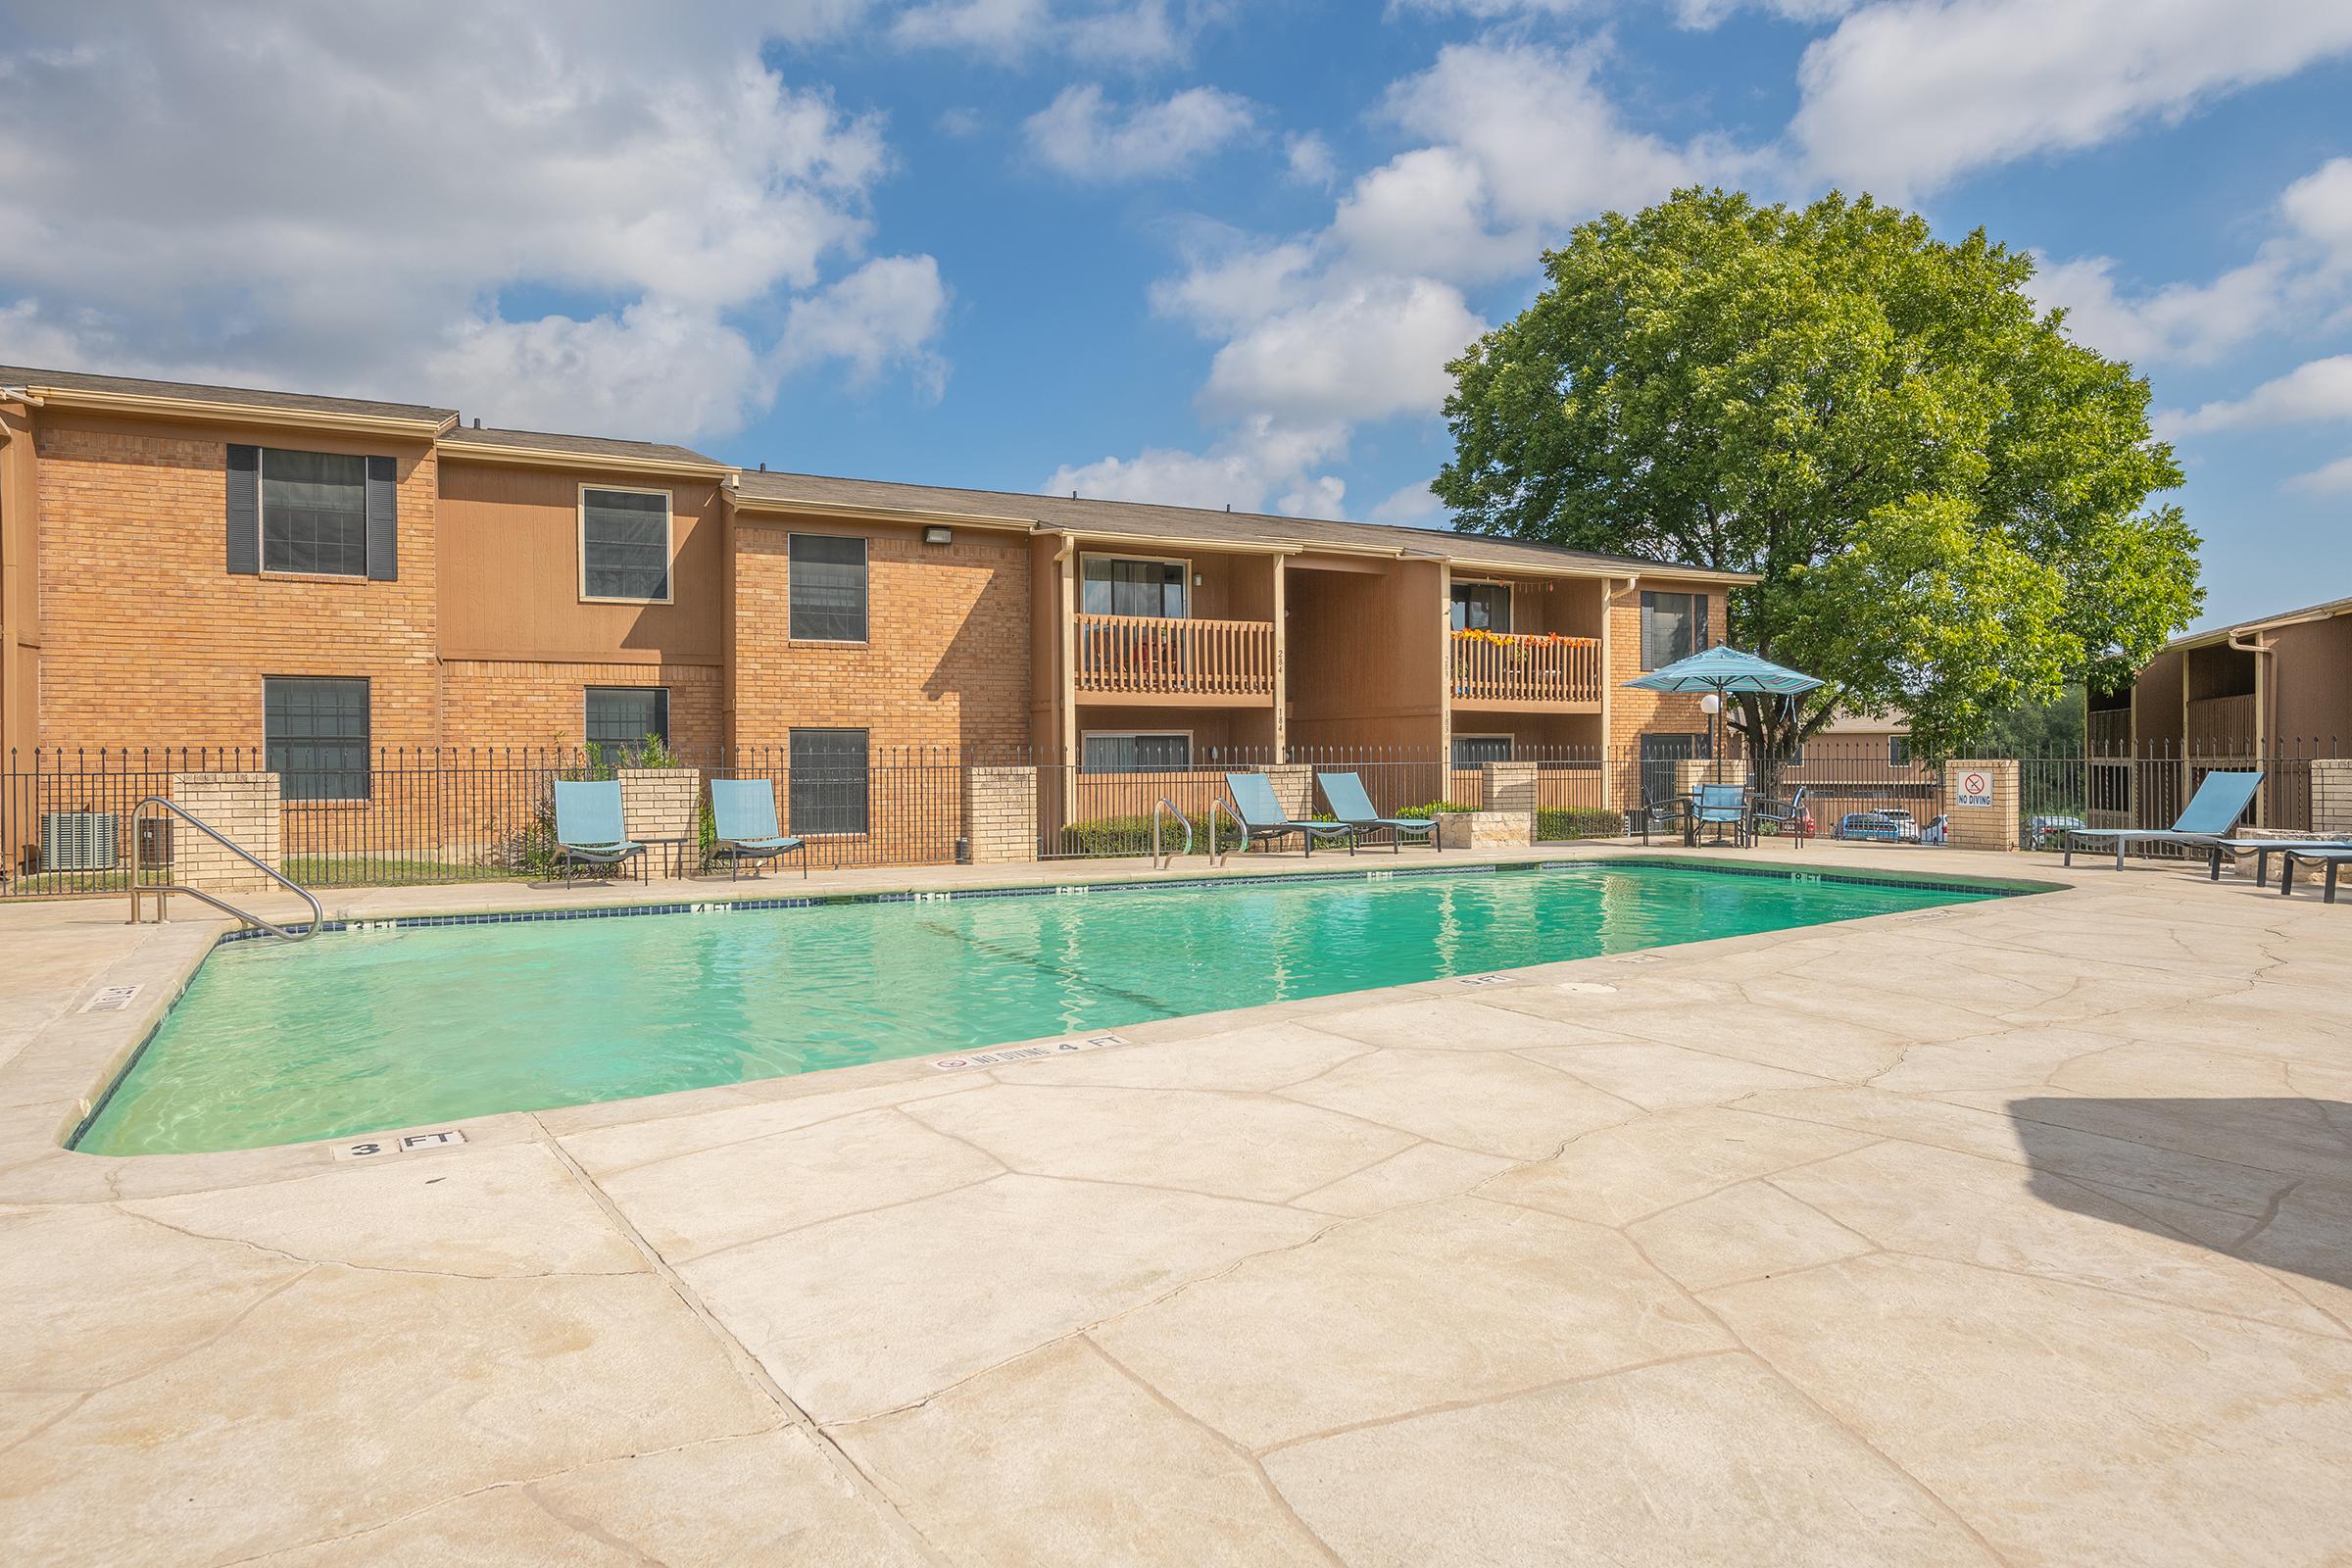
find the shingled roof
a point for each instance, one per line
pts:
(226, 396)
(586, 446)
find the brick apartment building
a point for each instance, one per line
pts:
(317, 577)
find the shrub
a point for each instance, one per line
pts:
(1554, 822)
(1132, 835)
(1433, 809)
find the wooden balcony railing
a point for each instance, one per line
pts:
(1500, 668)
(1146, 656)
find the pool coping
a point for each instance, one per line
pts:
(81, 1055)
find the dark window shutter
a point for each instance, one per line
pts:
(244, 510)
(383, 521)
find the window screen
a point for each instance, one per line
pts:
(829, 781)
(828, 588)
(1136, 754)
(1110, 586)
(1469, 750)
(1673, 626)
(624, 715)
(315, 737)
(315, 512)
(1481, 606)
(625, 544)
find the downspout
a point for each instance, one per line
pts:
(2263, 651)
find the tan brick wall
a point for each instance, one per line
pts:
(1981, 827)
(1508, 786)
(660, 803)
(148, 640)
(1001, 814)
(503, 702)
(244, 807)
(1634, 714)
(1486, 830)
(947, 657)
(2331, 795)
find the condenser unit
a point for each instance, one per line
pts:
(77, 841)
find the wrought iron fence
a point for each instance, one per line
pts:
(450, 815)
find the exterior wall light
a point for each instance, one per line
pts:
(939, 534)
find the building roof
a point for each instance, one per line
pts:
(1148, 521)
(474, 440)
(2319, 612)
(227, 398)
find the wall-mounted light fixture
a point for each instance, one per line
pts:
(939, 534)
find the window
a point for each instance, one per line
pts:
(1469, 750)
(1111, 585)
(624, 545)
(314, 512)
(1110, 752)
(1673, 626)
(315, 737)
(1481, 606)
(829, 781)
(1898, 750)
(828, 588)
(624, 715)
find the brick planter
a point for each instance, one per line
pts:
(1486, 830)
(661, 803)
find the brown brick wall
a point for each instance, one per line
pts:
(516, 702)
(148, 640)
(947, 657)
(1634, 714)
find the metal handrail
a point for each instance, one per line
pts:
(1159, 862)
(164, 891)
(1216, 854)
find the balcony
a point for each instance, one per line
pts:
(1150, 661)
(1529, 674)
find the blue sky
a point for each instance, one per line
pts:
(1204, 251)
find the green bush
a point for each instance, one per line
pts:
(1553, 823)
(1433, 809)
(1132, 835)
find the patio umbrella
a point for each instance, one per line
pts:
(1726, 671)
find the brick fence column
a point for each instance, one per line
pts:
(244, 807)
(1295, 787)
(1981, 827)
(1510, 786)
(1000, 813)
(1690, 773)
(2331, 795)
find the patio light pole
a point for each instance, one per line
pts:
(1712, 705)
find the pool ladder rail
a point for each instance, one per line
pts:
(1166, 808)
(164, 890)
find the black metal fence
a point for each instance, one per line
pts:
(68, 818)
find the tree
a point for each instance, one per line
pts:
(1944, 499)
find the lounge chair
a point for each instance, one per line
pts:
(1722, 805)
(2209, 818)
(1263, 820)
(743, 823)
(1345, 794)
(2263, 849)
(2335, 860)
(588, 826)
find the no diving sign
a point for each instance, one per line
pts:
(1972, 787)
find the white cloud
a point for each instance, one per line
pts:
(1080, 135)
(1426, 210)
(2320, 207)
(2194, 323)
(1415, 506)
(1261, 463)
(2335, 479)
(1312, 160)
(995, 26)
(1704, 14)
(1123, 33)
(1371, 350)
(2314, 392)
(336, 198)
(960, 122)
(1232, 286)
(882, 316)
(1909, 94)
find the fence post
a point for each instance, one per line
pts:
(242, 807)
(1980, 804)
(1000, 813)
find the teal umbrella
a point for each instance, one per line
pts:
(1726, 671)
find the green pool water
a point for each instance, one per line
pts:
(360, 1031)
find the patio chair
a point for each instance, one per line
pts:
(588, 827)
(1263, 820)
(2263, 849)
(1662, 811)
(1345, 794)
(2334, 860)
(1722, 805)
(2210, 815)
(1791, 817)
(743, 823)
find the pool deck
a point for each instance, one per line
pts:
(2010, 1232)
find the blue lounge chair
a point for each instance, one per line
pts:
(1263, 820)
(743, 823)
(1345, 794)
(2209, 817)
(588, 826)
(2263, 849)
(2335, 860)
(1722, 805)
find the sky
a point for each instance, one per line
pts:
(1208, 251)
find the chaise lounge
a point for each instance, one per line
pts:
(588, 827)
(1345, 794)
(2334, 860)
(2209, 818)
(743, 824)
(1263, 820)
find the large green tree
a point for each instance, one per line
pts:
(1945, 499)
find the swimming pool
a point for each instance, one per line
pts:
(370, 1029)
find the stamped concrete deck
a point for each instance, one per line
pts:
(2013, 1233)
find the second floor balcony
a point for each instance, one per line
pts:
(1150, 660)
(1525, 672)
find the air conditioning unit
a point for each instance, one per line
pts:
(77, 841)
